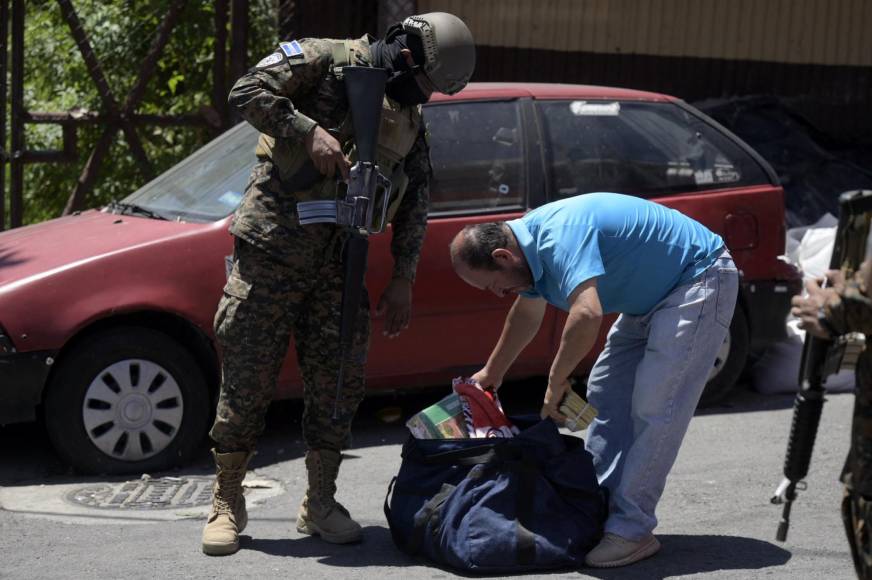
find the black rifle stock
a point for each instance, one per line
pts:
(820, 358)
(355, 210)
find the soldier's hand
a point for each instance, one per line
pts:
(326, 153)
(836, 281)
(808, 308)
(396, 306)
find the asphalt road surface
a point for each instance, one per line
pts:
(715, 516)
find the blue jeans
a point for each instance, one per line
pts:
(646, 384)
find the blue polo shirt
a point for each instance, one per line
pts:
(638, 250)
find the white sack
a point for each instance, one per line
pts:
(777, 371)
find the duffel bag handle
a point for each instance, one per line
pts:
(398, 540)
(470, 456)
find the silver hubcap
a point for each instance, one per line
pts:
(133, 410)
(721, 359)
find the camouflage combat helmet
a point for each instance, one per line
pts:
(449, 50)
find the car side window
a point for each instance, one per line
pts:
(644, 149)
(477, 154)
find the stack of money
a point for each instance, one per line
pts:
(579, 413)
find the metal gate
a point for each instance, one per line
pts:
(117, 112)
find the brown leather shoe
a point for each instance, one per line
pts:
(614, 551)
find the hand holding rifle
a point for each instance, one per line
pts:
(810, 308)
(326, 153)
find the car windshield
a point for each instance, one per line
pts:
(206, 186)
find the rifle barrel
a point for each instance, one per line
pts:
(356, 251)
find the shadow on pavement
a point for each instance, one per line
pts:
(685, 555)
(681, 555)
(745, 400)
(377, 549)
(27, 454)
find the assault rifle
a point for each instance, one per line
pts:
(822, 357)
(363, 207)
(361, 204)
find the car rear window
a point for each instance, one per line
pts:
(644, 149)
(477, 155)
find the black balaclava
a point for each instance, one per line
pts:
(401, 86)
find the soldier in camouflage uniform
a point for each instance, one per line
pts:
(841, 308)
(287, 278)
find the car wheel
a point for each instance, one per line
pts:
(129, 400)
(730, 361)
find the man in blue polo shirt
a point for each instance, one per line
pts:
(675, 286)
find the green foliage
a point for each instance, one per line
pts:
(121, 33)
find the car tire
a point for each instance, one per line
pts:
(730, 361)
(128, 400)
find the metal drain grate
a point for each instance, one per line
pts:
(145, 494)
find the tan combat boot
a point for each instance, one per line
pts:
(228, 516)
(320, 513)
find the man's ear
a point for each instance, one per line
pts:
(502, 256)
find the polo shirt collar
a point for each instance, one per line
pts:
(528, 247)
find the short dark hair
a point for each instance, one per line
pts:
(479, 242)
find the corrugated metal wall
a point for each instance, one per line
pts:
(815, 52)
(828, 32)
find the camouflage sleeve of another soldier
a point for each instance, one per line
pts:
(841, 307)
(263, 95)
(851, 310)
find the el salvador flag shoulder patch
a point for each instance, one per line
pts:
(292, 49)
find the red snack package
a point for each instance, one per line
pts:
(482, 410)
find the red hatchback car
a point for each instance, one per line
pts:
(106, 315)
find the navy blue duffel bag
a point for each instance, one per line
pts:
(531, 502)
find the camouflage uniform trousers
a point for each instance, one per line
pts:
(265, 302)
(857, 502)
(857, 516)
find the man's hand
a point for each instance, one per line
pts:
(808, 308)
(326, 153)
(557, 388)
(396, 306)
(487, 380)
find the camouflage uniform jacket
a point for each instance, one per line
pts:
(852, 312)
(284, 97)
